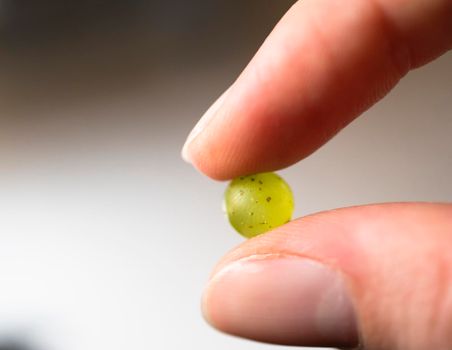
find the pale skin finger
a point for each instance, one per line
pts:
(377, 275)
(325, 63)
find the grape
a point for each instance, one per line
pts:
(258, 203)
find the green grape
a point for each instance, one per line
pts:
(258, 203)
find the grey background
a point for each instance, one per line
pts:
(106, 236)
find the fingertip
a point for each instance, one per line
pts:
(194, 151)
(281, 299)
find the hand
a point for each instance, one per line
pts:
(377, 276)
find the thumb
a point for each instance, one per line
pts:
(377, 276)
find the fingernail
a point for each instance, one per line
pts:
(201, 124)
(281, 299)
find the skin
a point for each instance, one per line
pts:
(308, 81)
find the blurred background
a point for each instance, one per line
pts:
(106, 236)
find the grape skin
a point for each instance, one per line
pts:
(258, 203)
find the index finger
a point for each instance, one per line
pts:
(324, 64)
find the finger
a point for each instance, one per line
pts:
(380, 275)
(325, 63)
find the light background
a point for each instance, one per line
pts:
(106, 236)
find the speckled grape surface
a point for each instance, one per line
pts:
(258, 203)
